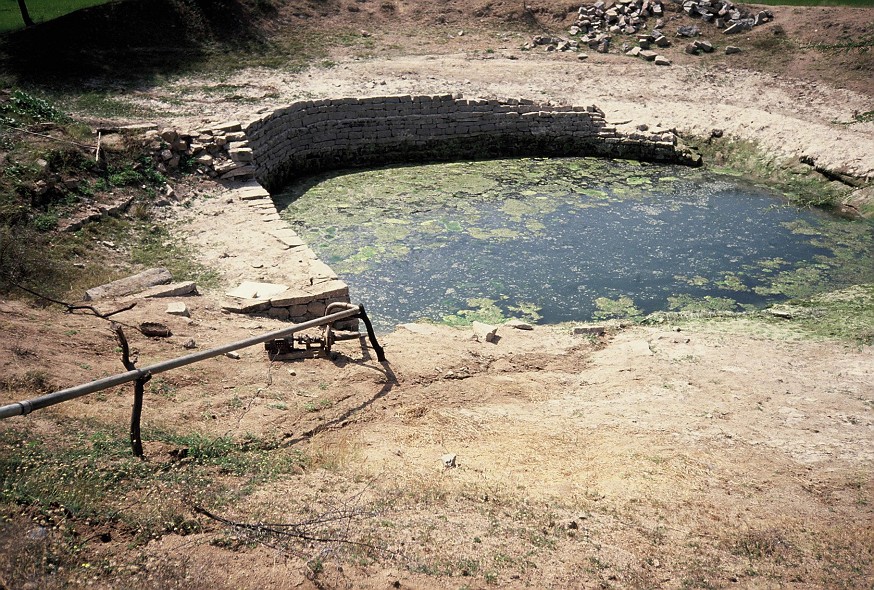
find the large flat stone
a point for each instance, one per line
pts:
(320, 271)
(249, 193)
(288, 237)
(128, 285)
(330, 290)
(241, 171)
(253, 290)
(291, 297)
(245, 305)
(171, 290)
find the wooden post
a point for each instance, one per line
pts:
(136, 441)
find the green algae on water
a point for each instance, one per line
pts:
(570, 239)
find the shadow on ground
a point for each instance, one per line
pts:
(134, 40)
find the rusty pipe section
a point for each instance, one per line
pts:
(23, 408)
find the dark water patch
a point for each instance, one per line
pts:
(568, 240)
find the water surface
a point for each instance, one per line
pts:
(575, 239)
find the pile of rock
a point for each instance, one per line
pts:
(220, 151)
(598, 23)
(725, 15)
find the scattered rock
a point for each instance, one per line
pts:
(171, 290)
(189, 344)
(178, 308)
(449, 460)
(732, 49)
(484, 332)
(662, 61)
(233, 355)
(648, 55)
(688, 31)
(598, 21)
(518, 325)
(155, 330)
(738, 27)
(705, 46)
(597, 330)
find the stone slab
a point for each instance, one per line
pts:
(171, 290)
(288, 237)
(320, 270)
(178, 308)
(335, 289)
(252, 193)
(129, 285)
(241, 171)
(245, 305)
(254, 290)
(291, 297)
(330, 290)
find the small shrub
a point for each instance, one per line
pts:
(22, 108)
(45, 221)
(127, 177)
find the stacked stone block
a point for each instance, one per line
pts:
(309, 136)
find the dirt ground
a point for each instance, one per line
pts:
(699, 454)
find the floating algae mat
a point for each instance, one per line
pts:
(553, 240)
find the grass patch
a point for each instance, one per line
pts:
(46, 180)
(90, 473)
(40, 11)
(847, 314)
(856, 3)
(103, 104)
(800, 184)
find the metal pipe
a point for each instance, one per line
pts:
(23, 408)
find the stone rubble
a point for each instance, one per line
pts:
(219, 151)
(600, 22)
(178, 308)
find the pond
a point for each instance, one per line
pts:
(578, 239)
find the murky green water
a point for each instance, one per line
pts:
(567, 240)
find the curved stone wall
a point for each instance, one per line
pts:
(310, 136)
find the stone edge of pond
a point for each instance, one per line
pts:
(310, 136)
(308, 284)
(317, 135)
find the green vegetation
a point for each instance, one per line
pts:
(22, 108)
(622, 307)
(847, 314)
(40, 11)
(800, 184)
(87, 473)
(858, 3)
(481, 310)
(50, 178)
